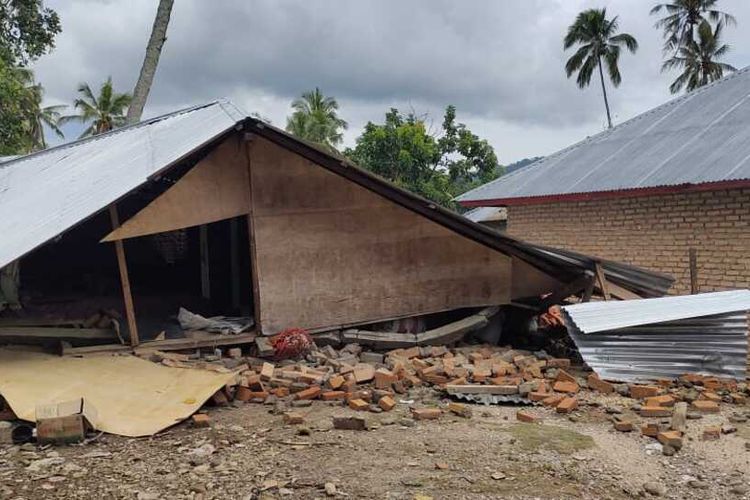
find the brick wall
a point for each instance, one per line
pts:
(653, 232)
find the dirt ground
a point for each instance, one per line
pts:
(250, 453)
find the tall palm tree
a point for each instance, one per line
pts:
(102, 113)
(316, 119)
(683, 16)
(37, 115)
(698, 59)
(599, 44)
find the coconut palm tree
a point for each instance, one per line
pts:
(698, 59)
(37, 115)
(316, 119)
(102, 113)
(598, 44)
(683, 16)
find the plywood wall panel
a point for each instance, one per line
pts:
(331, 253)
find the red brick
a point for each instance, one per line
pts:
(553, 400)
(201, 420)
(426, 413)
(567, 405)
(335, 382)
(293, 418)
(311, 392)
(564, 386)
(281, 392)
(643, 391)
(358, 404)
(624, 425)
(386, 403)
(710, 396)
(538, 396)
(664, 400)
(558, 363)
(563, 376)
(384, 379)
(527, 416)
(333, 395)
(460, 409)
(597, 384)
(266, 371)
(672, 438)
(650, 430)
(705, 406)
(711, 433)
(363, 373)
(655, 411)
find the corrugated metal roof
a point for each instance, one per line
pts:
(710, 345)
(701, 137)
(487, 214)
(593, 317)
(638, 340)
(46, 193)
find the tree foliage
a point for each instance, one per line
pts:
(27, 30)
(101, 113)
(439, 168)
(22, 116)
(699, 59)
(315, 118)
(683, 16)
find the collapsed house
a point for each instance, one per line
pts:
(212, 209)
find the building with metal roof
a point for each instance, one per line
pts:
(327, 244)
(647, 191)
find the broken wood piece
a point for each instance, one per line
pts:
(55, 333)
(163, 345)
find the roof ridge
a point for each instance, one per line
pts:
(671, 102)
(221, 102)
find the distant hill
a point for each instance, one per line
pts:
(521, 163)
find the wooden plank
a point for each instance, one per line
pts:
(47, 332)
(602, 280)
(330, 252)
(581, 283)
(213, 190)
(621, 293)
(164, 345)
(41, 322)
(124, 279)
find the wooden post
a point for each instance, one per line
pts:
(251, 236)
(602, 279)
(124, 279)
(205, 267)
(234, 262)
(693, 254)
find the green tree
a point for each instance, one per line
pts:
(22, 116)
(315, 118)
(27, 30)
(102, 113)
(683, 16)
(699, 59)
(439, 168)
(598, 44)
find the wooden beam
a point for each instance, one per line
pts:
(621, 293)
(164, 345)
(602, 279)
(572, 288)
(124, 278)
(47, 332)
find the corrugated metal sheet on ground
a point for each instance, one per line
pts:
(46, 193)
(701, 137)
(665, 337)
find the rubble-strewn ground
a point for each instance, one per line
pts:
(250, 453)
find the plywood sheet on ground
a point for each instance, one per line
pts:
(216, 188)
(133, 397)
(330, 252)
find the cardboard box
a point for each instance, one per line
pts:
(66, 422)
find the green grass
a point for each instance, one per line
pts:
(564, 441)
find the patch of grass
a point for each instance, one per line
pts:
(564, 441)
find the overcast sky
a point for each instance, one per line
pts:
(499, 61)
